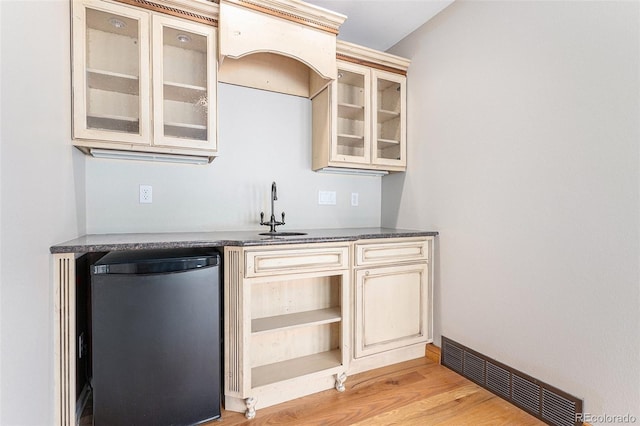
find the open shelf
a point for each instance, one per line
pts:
(184, 92)
(293, 368)
(386, 115)
(113, 81)
(351, 111)
(298, 319)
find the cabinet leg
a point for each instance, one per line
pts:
(251, 407)
(340, 379)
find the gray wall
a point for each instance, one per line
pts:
(42, 198)
(524, 154)
(263, 137)
(50, 192)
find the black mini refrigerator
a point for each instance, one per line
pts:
(156, 337)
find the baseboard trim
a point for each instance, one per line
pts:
(432, 352)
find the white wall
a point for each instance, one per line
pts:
(263, 137)
(524, 154)
(41, 194)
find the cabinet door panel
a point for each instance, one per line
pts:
(184, 84)
(111, 72)
(351, 99)
(391, 308)
(389, 119)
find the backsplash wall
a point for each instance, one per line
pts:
(262, 137)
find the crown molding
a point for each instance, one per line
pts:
(350, 52)
(296, 11)
(202, 11)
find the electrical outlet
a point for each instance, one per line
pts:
(327, 198)
(146, 194)
(354, 199)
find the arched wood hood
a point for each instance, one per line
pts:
(285, 46)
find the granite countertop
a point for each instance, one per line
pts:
(117, 242)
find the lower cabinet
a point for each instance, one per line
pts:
(392, 300)
(299, 318)
(286, 327)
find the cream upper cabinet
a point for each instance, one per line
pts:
(184, 85)
(351, 96)
(388, 105)
(142, 81)
(359, 121)
(111, 73)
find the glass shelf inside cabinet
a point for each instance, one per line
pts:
(384, 115)
(185, 84)
(112, 72)
(350, 140)
(351, 111)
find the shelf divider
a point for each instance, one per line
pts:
(386, 115)
(113, 81)
(298, 319)
(293, 368)
(351, 111)
(385, 143)
(184, 92)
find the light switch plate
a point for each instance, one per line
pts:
(327, 198)
(354, 199)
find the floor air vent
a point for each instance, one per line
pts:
(547, 403)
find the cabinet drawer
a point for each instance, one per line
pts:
(392, 252)
(273, 262)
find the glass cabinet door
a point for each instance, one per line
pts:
(389, 127)
(184, 84)
(111, 73)
(353, 122)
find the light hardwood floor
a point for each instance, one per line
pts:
(419, 392)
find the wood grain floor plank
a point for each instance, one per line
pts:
(414, 413)
(417, 392)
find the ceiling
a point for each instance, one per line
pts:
(379, 24)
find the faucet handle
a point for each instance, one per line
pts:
(282, 218)
(261, 218)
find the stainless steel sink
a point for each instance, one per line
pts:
(283, 234)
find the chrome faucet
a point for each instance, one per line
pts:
(273, 222)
